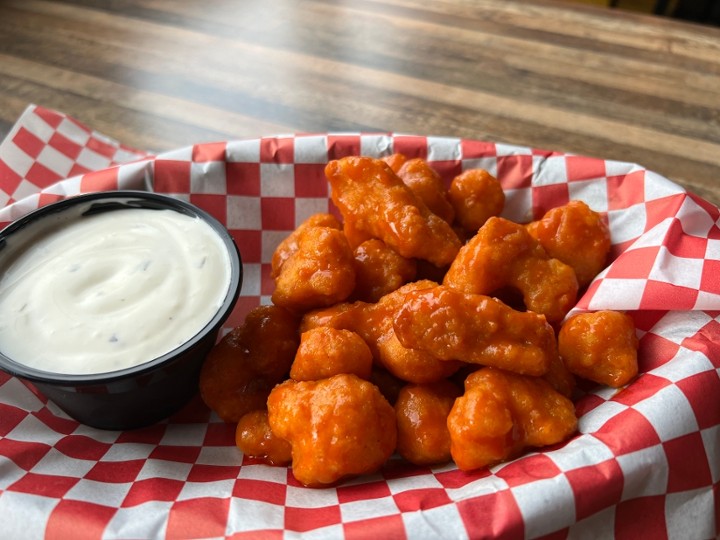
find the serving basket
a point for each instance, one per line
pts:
(646, 459)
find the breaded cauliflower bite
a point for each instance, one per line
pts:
(502, 413)
(504, 254)
(242, 368)
(600, 346)
(474, 328)
(337, 427)
(289, 246)
(576, 235)
(319, 273)
(379, 270)
(476, 196)
(422, 411)
(428, 186)
(395, 161)
(326, 351)
(255, 439)
(374, 323)
(376, 203)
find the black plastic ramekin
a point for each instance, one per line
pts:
(149, 392)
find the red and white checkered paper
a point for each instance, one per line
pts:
(646, 461)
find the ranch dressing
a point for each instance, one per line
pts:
(110, 290)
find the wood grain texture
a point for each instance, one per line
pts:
(160, 74)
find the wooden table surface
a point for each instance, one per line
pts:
(162, 74)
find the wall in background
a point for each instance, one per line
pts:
(701, 11)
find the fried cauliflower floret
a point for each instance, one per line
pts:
(422, 411)
(255, 439)
(320, 273)
(379, 270)
(476, 196)
(345, 315)
(600, 346)
(337, 427)
(411, 365)
(577, 236)
(475, 329)
(501, 413)
(326, 351)
(374, 323)
(395, 161)
(289, 246)
(375, 202)
(428, 186)
(504, 254)
(242, 368)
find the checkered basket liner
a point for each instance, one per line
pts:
(646, 460)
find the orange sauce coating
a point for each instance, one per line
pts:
(560, 377)
(577, 236)
(476, 196)
(289, 246)
(326, 351)
(320, 273)
(501, 413)
(374, 323)
(338, 427)
(254, 438)
(422, 411)
(374, 201)
(428, 186)
(395, 161)
(242, 368)
(380, 270)
(475, 328)
(600, 347)
(504, 254)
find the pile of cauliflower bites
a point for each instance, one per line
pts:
(419, 323)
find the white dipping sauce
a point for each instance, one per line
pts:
(108, 291)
